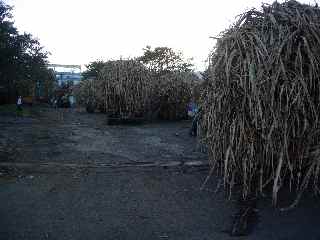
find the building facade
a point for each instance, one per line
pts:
(66, 74)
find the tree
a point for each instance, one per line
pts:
(23, 60)
(93, 69)
(165, 59)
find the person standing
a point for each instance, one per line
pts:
(55, 103)
(19, 104)
(191, 109)
(195, 121)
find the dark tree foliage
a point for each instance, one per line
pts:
(164, 59)
(22, 61)
(93, 69)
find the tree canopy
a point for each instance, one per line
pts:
(165, 59)
(22, 60)
(93, 69)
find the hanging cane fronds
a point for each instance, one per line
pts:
(174, 91)
(126, 88)
(130, 89)
(261, 101)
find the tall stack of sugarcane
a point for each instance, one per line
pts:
(125, 87)
(174, 92)
(262, 100)
(85, 94)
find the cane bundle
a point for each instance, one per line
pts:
(261, 101)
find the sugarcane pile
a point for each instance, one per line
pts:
(125, 87)
(261, 102)
(85, 94)
(173, 93)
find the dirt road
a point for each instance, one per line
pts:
(67, 136)
(65, 174)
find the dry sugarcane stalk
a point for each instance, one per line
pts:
(127, 87)
(174, 91)
(262, 99)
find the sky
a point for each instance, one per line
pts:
(81, 31)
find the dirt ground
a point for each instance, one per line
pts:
(70, 136)
(65, 174)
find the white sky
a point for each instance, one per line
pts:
(79, 31)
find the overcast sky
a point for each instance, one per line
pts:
(80, 31)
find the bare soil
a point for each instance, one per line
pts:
(65, 174)
(73, 136)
